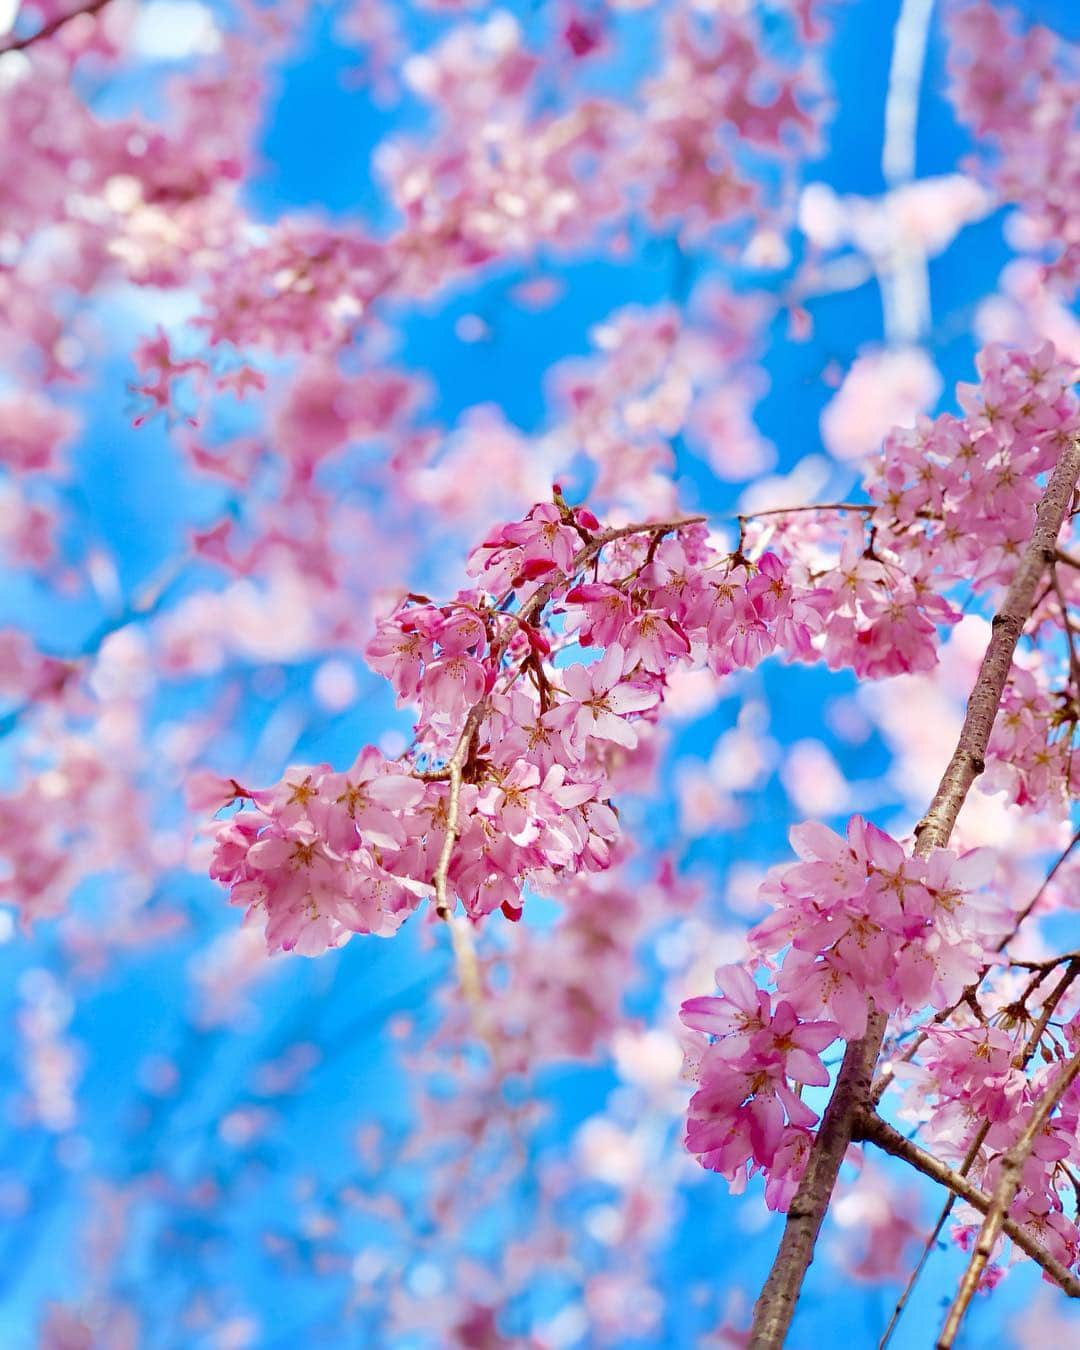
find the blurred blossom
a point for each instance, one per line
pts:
(334, 685)
(813, 781)
(342, 337)
(170, 30)
(881, 390)
(881, 1223)
(803, 484)
(1027, 310)
(926, 215)
(652, 1060)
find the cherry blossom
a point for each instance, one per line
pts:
(491, 350)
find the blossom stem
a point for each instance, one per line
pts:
(453, 810)
(452, 770)
(776, 1305)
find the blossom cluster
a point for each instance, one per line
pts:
(952, 500)
(1030, 754)
(747, 1115)
(956, 496)
(519, 743)
(1021, 92)
(325, 854)
(972, 1087)
(509, 168)
(858, 921)
(521, 740)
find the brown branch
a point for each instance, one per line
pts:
(1023, 1060)
(1008, 1183)
(1045, 967)
(52, 27)
(1070, 630)
(776, 1305)
(1051, 1002)
(967, 762)
(453, 807)
(1026, 911)
(872, 1128)
(624, 531)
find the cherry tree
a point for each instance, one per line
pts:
(383, 661)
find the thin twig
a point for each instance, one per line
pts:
(888, 1073)
(1026, 911)
(928, 1246)
(646, 527)
(867, 508)
(1049, 1007)
(1070, 631)
(52, 27)
(1023, 1060)
(1044, 966)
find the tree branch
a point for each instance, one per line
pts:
(967, 762)
(825, 508)
(1050, 1003)
(49, 29)
(1070, 630)
(776, 1305)
(1004, 1192)
(888, 1073)
(874, 1130)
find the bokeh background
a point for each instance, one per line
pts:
(198, 1147)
